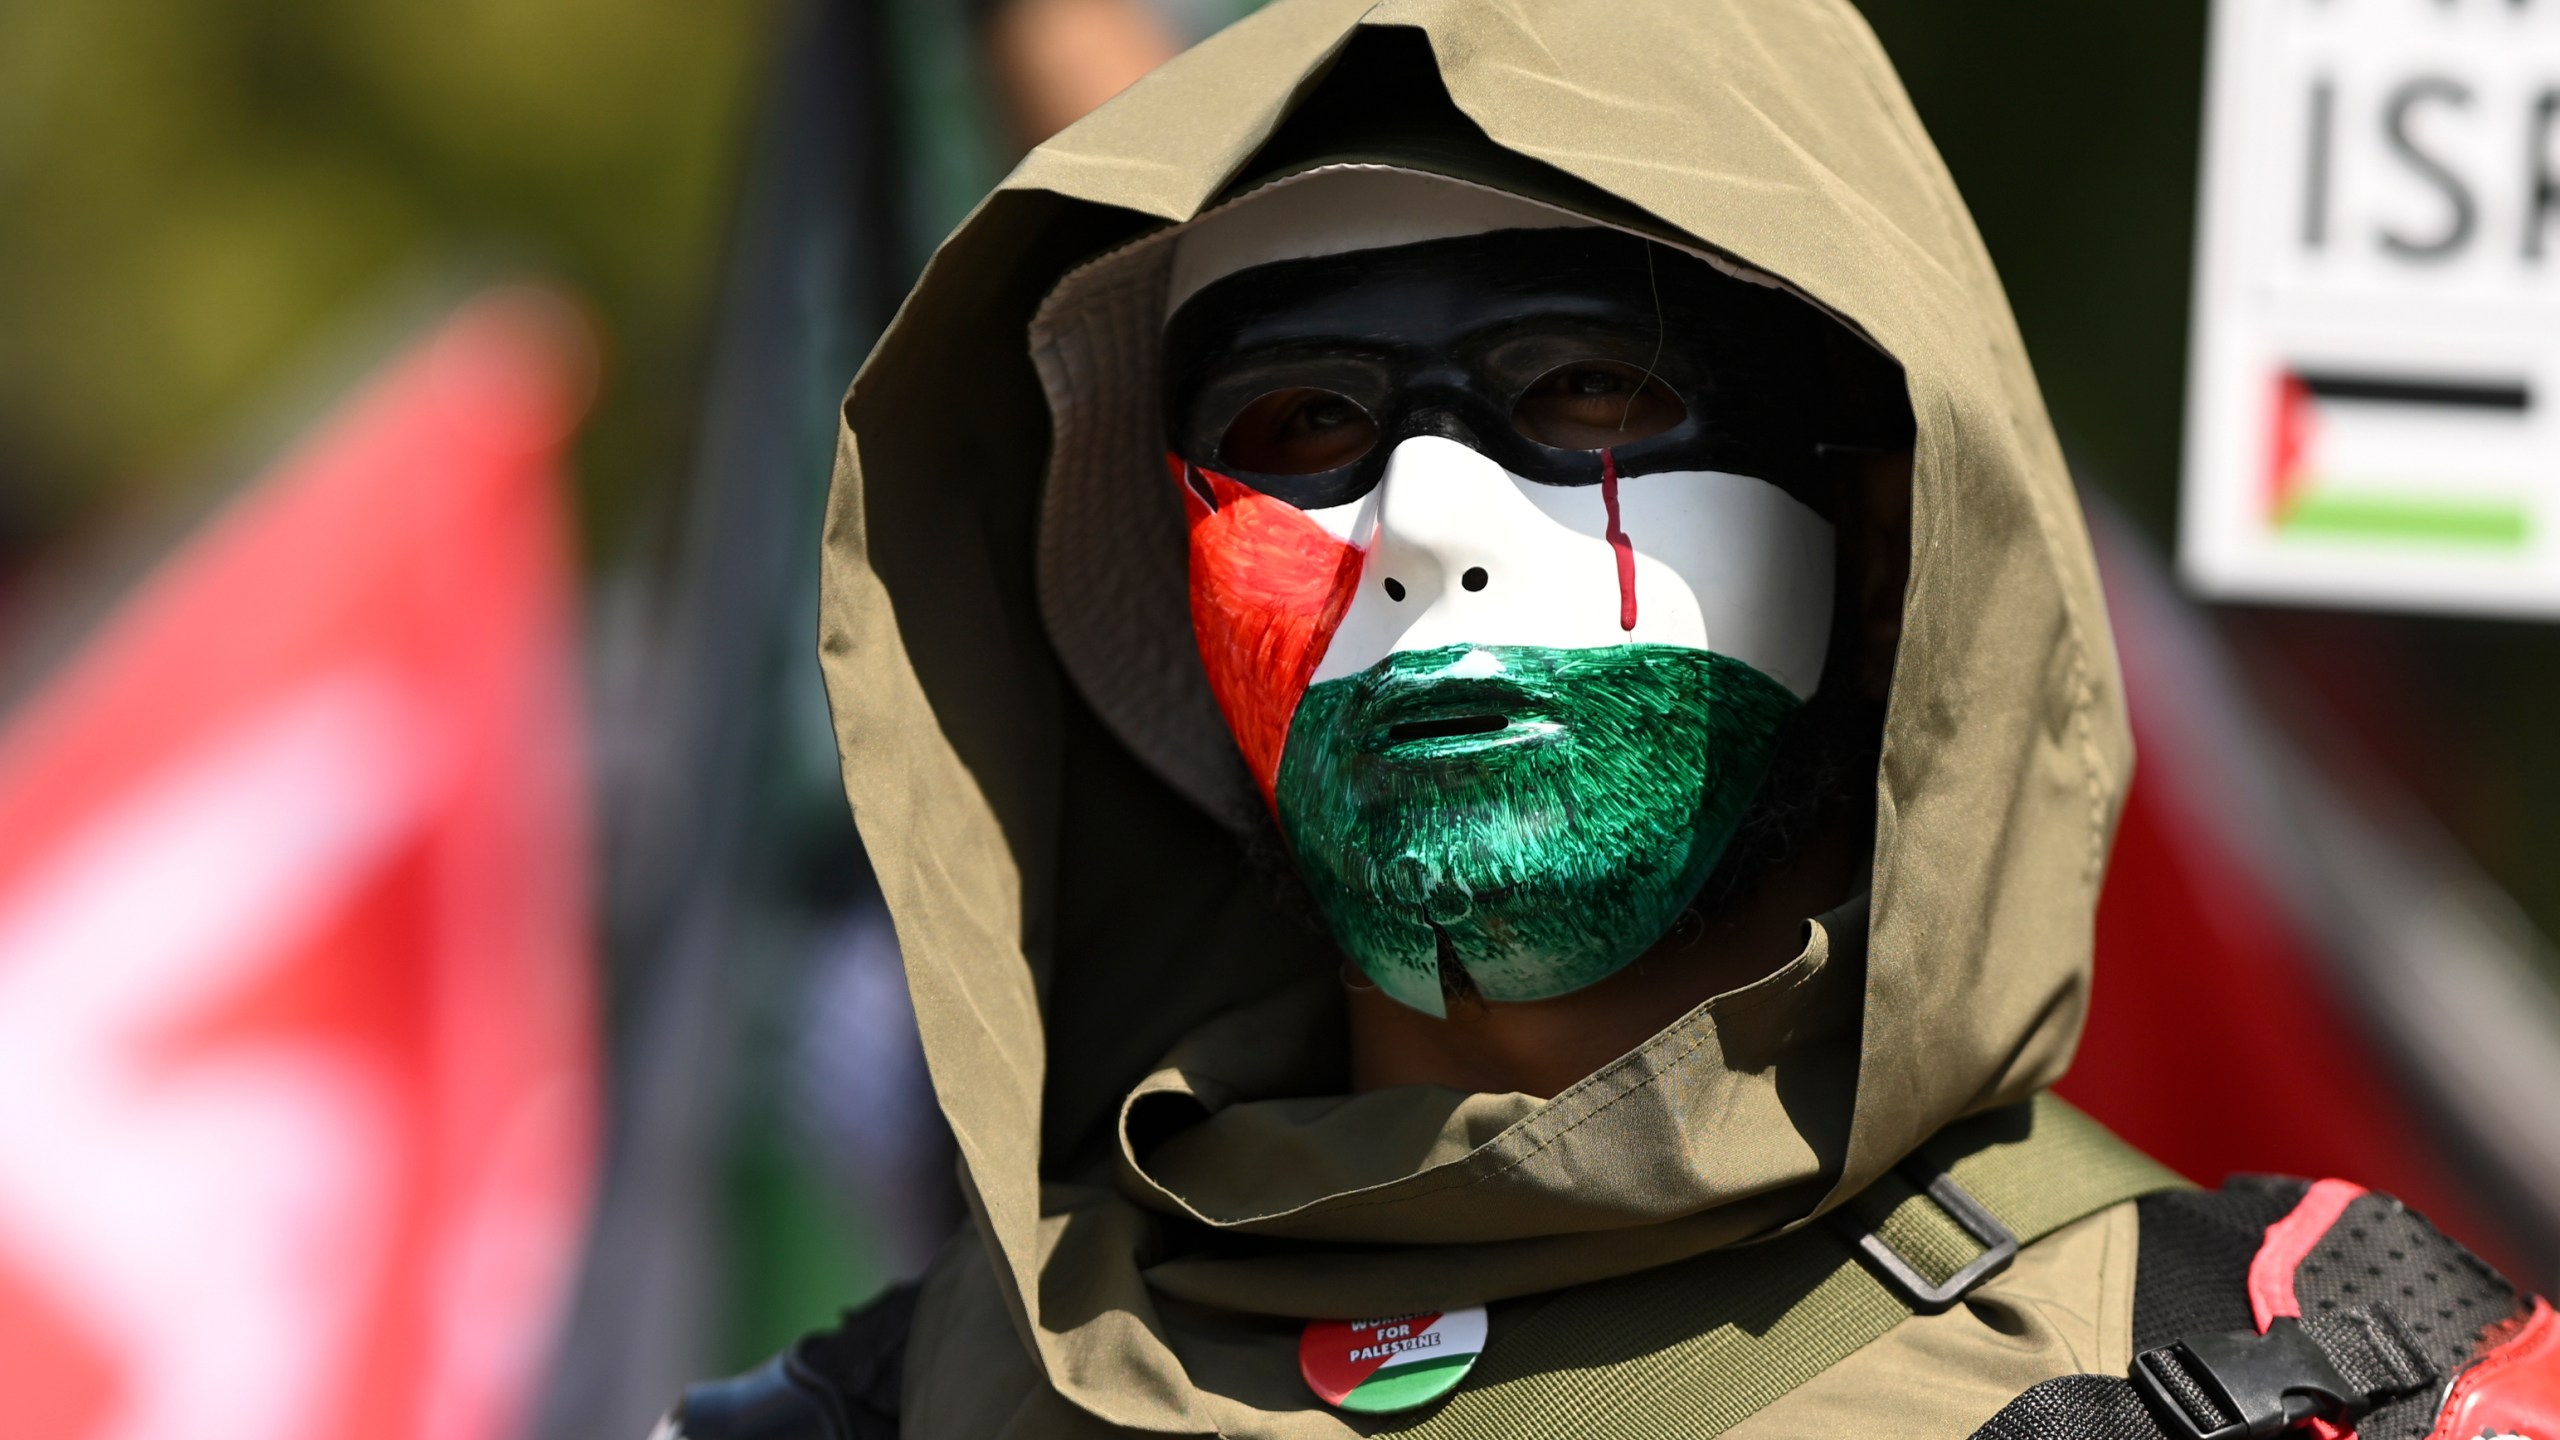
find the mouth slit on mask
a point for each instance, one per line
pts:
(1447, 727)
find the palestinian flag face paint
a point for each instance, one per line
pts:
(1504, 725)
(1538, 815)
(1497, 574)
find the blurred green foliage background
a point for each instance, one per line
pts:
(2074, 132)
(194, 192)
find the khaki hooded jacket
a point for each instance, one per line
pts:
(1139, 1054)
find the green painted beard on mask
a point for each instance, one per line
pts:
(1538, 816)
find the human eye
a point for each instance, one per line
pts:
(1300, 430)
(1594, 405)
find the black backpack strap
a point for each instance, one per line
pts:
(2335, 1367)
(2075, 1407)
(2191, 1274)
(2191, 1277)
(2391, 1308)
(839, 1384)
(2232, 1385)
(2381, 1253)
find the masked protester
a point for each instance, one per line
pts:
(1471, 671)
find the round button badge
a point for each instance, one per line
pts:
(1396, 1362)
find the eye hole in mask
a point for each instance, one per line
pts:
(1594, 405)
(1303, 430)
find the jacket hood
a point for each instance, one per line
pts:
(1139, 1055)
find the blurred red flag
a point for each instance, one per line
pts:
(297, 1095)
(2225, 1035)
(2219, 1043)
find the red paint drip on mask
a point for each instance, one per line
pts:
(1618, 543)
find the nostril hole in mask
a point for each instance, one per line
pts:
(1475, 578)
(1395, 589)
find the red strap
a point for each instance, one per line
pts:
(2271, 1294)
(2513, 1390)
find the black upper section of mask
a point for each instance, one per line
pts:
(1538, 348)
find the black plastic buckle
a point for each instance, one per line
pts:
(2000, 1243)
(2265, 1384)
